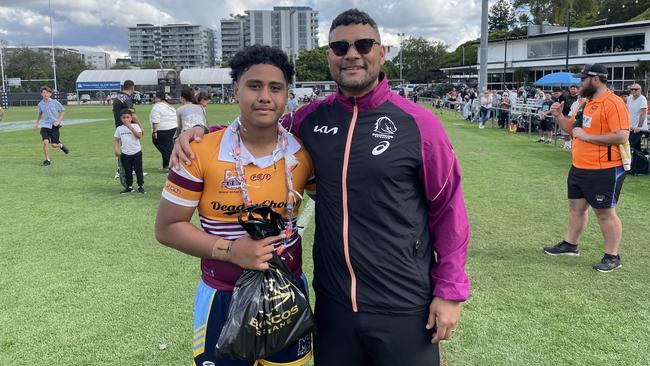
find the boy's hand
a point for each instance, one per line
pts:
(117, 154)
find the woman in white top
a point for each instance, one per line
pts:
(190, 113)
(163, 127)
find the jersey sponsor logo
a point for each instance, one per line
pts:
(260, 177)
(304, 345)
(586, 121)
(218, 206)
(173, 189)
(326, 129)
(379, 149)
(384, 128)
(230, 179)
(207, 363)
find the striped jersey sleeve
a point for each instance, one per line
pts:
(184, 185)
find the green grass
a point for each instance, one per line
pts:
(83, 282)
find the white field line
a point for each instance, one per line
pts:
(27, 125)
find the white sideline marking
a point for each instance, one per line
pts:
(27, 125)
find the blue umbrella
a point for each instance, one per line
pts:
(558, 79)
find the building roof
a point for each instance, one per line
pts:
(210, 76)
(139, 77)
(637, 24)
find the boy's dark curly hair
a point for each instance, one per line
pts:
(260, 54)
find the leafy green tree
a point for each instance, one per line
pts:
(501, 16)
(455, 58)
(68, 68)
(311, 65)
(29, 65)
(620, 11)
(390, 69)
(155, 64)
(421, 59)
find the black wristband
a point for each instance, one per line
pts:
(205, 129)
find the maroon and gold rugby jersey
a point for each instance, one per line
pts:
(211, 184)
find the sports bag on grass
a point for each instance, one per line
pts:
(268, 311)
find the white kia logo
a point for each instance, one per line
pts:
(379, 149)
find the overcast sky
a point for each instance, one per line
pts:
(102, 24)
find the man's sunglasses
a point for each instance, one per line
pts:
(363, 46)
(635, 89)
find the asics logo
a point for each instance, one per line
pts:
(326, 129)
(379, 149)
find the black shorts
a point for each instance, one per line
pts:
(600, 187)
(344, 337)
(547, 124)
(51, 134)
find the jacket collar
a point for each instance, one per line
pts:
(374, 98)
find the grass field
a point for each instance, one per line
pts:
(83, 282)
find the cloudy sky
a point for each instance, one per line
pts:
(102, 24)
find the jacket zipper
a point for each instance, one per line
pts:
(344, 185)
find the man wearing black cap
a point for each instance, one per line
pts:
(596, 176)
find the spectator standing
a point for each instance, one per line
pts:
(163, 127)
(637, 106)
(190, 114)
(596, 175)
(128, 149)
(124, 100)
(50, 119)
(292, 103)
(486, 107)
(505, 106)
(546, 121)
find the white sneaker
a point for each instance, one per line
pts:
(481, 126)
(117, 174)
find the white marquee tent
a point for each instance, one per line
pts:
(211, 76)
(140, 77)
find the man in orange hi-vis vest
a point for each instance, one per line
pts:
(596, 176)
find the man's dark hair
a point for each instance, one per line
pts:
(188, 94)
(354, 16)
(45, 87)
(260, 54)
(126, 111)
(128, 84)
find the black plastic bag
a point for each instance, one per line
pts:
(268, 312)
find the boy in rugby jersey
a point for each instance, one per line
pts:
(253, 161)
(128, 150)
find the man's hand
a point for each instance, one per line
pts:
(637, 129)
(36, 125)
(579, 133)
(182, 149)
(444, 315)
(253, 254)
(556, 109)
(56, 123)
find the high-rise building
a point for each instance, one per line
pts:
(234, 35)
(291, 28)
(98, 60)
(10, 51)
(182, 45)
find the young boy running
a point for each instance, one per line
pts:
(50, 117)
(128, 150)
(254, 161)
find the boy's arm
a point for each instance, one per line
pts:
(58, 120)
(116, 147)
(38, 119)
